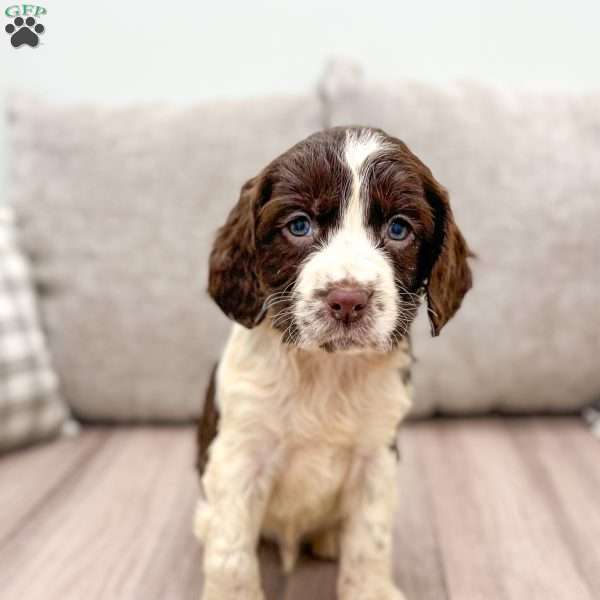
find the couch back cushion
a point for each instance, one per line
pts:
(523, 172)
(119, 207)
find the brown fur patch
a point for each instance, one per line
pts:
(208, 425)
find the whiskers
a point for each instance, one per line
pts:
(284, 295)
(302, 321)
(281, 305)
(407, 304)
(414, 296)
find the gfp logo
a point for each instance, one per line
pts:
(25, 29)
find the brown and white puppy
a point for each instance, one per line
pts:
(322, 263)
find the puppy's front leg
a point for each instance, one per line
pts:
(237, 484)
(366, 537)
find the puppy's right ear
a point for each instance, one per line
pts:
(233, 279)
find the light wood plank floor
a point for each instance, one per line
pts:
(492, 509)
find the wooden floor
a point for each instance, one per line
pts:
(492, 509)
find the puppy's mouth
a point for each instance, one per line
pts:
(343, 344)
(335, 329)
(338, 335)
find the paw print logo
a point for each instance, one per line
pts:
(24, 32)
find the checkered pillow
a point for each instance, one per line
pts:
(30, 406)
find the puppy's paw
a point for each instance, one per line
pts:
(213, 592)
(366, 590)
(231, 575)
(395, 594)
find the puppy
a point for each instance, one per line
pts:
(322, 264)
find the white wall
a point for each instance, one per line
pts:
(189, 49)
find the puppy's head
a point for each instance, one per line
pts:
(336, 241)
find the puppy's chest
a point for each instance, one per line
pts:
(336, 417)
(308, 491)
(322, 439)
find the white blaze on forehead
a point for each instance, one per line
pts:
(350, 253)
(359, 147)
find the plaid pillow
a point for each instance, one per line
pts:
(30, 406)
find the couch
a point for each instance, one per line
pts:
(115, 211)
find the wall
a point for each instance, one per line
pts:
(186, 50)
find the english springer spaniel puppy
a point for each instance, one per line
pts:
(322, 264)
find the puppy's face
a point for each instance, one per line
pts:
(337, 240)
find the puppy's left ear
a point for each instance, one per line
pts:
(449, 276)
(233, 281)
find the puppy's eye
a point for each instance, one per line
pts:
(398, 229)
(300, 226)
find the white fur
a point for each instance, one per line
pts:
(303, 446)
(302, 433)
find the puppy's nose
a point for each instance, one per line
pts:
(347, 304)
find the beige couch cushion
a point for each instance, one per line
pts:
(119, 206)
(523, 171)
